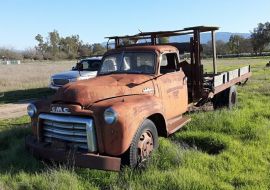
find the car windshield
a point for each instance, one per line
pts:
(89, 65)
(129, 62)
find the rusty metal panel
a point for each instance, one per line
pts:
(108, 86)
(173, 87)
(176, 123)
(132, 111)
(87, 160)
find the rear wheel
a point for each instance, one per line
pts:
(144, 142)
(226, 98)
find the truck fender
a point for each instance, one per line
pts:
(131, 112)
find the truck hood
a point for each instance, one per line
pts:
(87, 92)
(74, 74)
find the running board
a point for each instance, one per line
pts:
(176, 123)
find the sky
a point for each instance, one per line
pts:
(92, 20)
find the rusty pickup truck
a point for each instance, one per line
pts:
(142, 91)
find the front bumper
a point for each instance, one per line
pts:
(54, 87)
(85, 160)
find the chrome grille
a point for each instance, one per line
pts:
(75, 130)
(60, 82)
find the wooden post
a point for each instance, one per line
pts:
(198, 76)
(153, 39)
(214, 51)
(117, 42)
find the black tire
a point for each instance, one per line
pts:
(133, 156)
(226, 98)
(232, 97)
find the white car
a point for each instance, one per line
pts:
(90, 68)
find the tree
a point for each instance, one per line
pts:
(246, 46)
(42, 46)
(221, 46)
(10, 54)
(39, 38)
(163, 40)
(98, 49)
(54, 40)
(57, 47)
(30, 53)
(126, 42)
(69, 46)
(260, 37)
(234, 44)
(85, 50)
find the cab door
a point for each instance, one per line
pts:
(172, 86)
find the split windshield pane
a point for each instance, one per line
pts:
(129, 62)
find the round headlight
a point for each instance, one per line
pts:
(110, 116)
(31, 110)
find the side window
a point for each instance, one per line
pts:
(93, 65)
(164, 61)
(168, 63)
(109, 64)
(85, 65)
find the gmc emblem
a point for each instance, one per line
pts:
(58, 109)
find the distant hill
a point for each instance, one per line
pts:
(205, 37)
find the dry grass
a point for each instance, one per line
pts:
(37, 74)
(239, 138)
(30, 75)
(232, 63)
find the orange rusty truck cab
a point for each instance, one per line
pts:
(158, 97)
(141, 92)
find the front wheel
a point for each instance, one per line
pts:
(144, 142)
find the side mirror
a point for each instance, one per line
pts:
(79, 66)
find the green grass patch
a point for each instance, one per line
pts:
(222, 149)
(21, 95)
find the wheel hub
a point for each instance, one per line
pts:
(145, 146)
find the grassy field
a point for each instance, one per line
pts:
(29, 80)
(217, 150)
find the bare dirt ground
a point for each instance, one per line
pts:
(31, 76)
(13, 110)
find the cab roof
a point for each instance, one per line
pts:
(153, 48)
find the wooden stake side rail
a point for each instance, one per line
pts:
(230, 78)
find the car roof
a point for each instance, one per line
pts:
(92, 58)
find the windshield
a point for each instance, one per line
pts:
(89, 65)
(129, 62)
